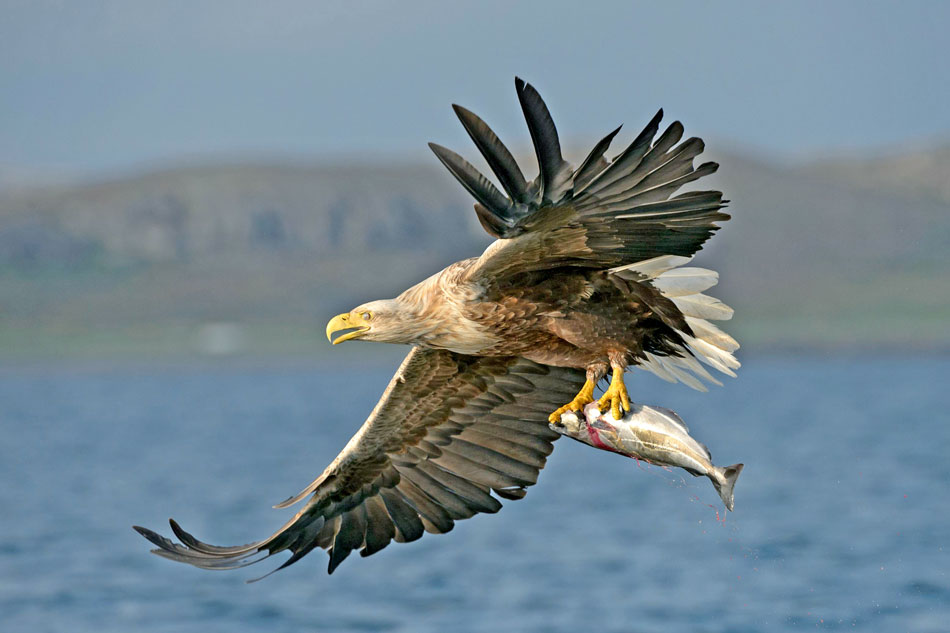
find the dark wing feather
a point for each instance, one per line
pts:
(445, 435)
(500, 160)
(595, 162)
(555, 172)
(629, 158)
(480, 187)
(605, 214)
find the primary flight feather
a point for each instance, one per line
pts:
(585, 278)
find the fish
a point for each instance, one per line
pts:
(652, 434)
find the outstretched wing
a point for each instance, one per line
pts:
(449, 430)
(603, 214)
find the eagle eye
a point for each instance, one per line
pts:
(367, 316)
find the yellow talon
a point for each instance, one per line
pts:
(616, 396)
(583, 398)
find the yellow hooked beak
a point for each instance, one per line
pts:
(345, 321)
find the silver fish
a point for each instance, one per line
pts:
(653, 434)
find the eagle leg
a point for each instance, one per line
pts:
(583, 398)
(616, 396)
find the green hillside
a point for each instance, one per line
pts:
(252, 259)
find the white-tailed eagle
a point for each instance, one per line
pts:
(585, 278)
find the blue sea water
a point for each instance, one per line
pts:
(842, 517)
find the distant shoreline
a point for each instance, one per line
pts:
(392, 356)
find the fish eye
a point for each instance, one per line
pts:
(367, 316)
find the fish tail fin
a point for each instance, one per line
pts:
(725, 482)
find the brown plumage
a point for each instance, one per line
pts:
(586, 275)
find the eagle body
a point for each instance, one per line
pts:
(587, 274)
(566, 317)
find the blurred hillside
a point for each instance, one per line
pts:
(920, 172)
(254, 258)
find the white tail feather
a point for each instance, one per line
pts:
(703, 307)
(685, 377)
(685, 281)
(689, 362)
(713, 356)
(656, 367)
(651, 268)
(711, 334)
(684, 369)
(708, 344)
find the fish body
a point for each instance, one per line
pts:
(653, 434)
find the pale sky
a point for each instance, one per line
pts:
(93, 86)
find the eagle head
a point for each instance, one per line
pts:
(385, 321)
